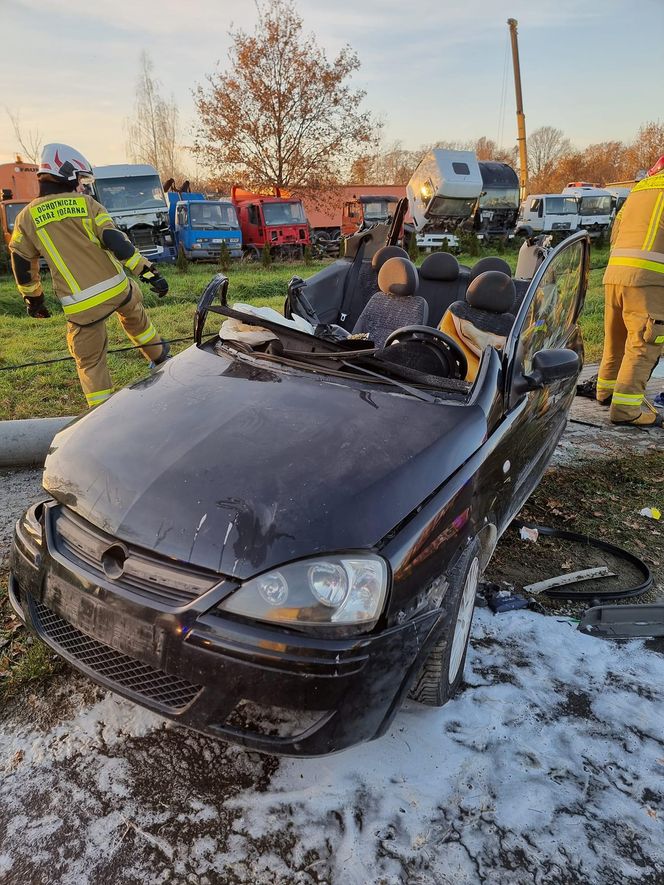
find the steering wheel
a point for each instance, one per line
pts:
(455, 357)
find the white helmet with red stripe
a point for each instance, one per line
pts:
(63, 162)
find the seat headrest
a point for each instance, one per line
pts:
(385, 254)
(398, 276)
(439, 266)
(493, 291)
(490, 263)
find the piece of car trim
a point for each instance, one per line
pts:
(624, 621)
(587, 574)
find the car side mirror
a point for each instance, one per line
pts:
(549, 366)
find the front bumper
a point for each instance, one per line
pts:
(269, 689)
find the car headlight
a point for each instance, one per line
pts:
(331, 591)
(196, 246)
(29, 527)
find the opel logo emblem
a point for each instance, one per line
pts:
(113, 561)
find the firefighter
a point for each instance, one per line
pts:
(634, 304)
(88, 258)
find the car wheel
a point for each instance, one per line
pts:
(442, 672)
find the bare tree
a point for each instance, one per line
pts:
(646, 148)
(153, 130)
(29, 141)
(546, 146)
(282, 114)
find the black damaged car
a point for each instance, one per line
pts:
(278, 536)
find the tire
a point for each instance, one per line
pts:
(250, 254)
(442, 672)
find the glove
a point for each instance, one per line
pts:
(36, 307)
(154, 279)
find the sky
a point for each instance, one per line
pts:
(432, 69)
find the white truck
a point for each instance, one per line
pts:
(134, 198)
(442, 194)
(596, 206)
(556, 214)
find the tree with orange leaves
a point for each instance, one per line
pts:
(281, 113)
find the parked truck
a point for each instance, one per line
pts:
(18, 186)
(200, 226)
(366, 210)
(135, 200)
(498, 204)
(596, 206)
(556, 214)
(443, 195)
(276, 220)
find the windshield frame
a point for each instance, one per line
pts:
(123, 186)
(381, 371)
(567, 199)
(227, 208)
(468, 202)
(502, 194)
(583, 210)
(270, 207)
(15, 208)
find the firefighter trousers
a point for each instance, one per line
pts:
(88, 346)
(633, 328)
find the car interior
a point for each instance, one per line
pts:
(379, 314)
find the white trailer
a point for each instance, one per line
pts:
(442, 194)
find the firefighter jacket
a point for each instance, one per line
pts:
(66, 230)
(637, 239)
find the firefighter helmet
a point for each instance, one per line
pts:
(63, 163)
(658, 167)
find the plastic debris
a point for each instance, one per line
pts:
(651, 513)
(501, 597)
(527, 534)
(569, 578)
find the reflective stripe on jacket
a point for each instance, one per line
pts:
(66, 230)
(637, 243)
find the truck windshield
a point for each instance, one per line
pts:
(378, 210)
(561, 206)
(500, 198)
(450, 207)
(210, 216)
(598, 205)
(284, 213)
(139, 192)
(12, 210)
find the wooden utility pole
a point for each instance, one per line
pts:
(520, 116)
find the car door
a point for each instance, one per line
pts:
(547, 320)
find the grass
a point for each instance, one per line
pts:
(44, 391)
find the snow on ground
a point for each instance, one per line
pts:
(548, 768)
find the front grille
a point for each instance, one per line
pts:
(170, 692)
(143, 237)
(144, 573)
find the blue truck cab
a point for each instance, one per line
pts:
(202, 225)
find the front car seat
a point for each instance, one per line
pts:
(396, 305)
(484, 319)
(439, 284)
(489, 263)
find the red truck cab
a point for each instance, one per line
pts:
(276, 220)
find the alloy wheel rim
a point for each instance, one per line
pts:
(464, 619)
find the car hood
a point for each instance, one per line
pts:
(236, 467)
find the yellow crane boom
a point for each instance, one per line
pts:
(520, 116)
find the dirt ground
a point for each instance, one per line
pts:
(547, 768)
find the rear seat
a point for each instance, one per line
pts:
(440, 284)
